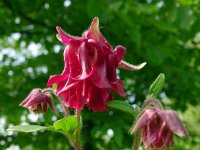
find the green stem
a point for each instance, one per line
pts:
(78, 130)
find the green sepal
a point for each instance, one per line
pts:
(156, 86)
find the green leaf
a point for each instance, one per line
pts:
(123, 106)
(66, 125)
(156, 86)
(147, 9)
(30, 128)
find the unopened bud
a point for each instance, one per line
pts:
(37, 101)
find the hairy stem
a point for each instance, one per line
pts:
(136, 141)
(78, 130)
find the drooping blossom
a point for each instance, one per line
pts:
(89, 73)
(157, 127)
(38, 101)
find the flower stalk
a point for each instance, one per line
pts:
(78, 130)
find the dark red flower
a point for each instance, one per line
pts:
(158, 127)
(90, 70)
(38, 101)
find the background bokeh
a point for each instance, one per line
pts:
(164, 33)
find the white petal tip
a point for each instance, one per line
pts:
(140, 66)
(58, 37)
(127, 66)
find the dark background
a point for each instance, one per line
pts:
(165, 34)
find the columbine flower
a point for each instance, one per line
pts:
(157, 128)
(38, 101)
(90, 70)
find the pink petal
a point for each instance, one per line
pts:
(31, 97)
(171, 118)
(37, 100)
(144, 118)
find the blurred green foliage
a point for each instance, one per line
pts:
(164, 33)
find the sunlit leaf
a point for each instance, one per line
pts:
(30, 128)
(67, 124)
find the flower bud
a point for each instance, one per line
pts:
(37, 101)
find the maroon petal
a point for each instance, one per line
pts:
(171, 118)
(90, 70)
(164, 137)
(74, 64)
(68, 85)
(99, 77)
(60, 86)
(153, 126)
(119, 52)
(98, 98)
(118, 87)
(112, 63)
(111, 68)
(94, 32)
(73, 98)
(65, 74)
(56, 78)
(84, 59)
